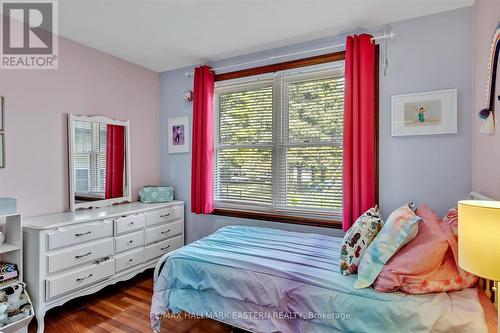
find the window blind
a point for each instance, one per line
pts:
(90, 158)
(244, 144)
(279, 143)
(310, 172)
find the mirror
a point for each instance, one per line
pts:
(99, 161)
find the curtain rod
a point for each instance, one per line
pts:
(386, 36)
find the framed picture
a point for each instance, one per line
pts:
(2, 109)
(178, 135)
(2, 150)
(433, 112)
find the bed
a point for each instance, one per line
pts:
(270, 280)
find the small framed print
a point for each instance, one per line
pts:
(2, 150)
(178, 135)
(426, 113)
(2, 116)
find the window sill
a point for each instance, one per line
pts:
(273, 217)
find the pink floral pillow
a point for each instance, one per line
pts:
(423, 254)
(429, 262)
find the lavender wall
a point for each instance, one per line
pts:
(88, 82)
(486, 156)
(429, 53)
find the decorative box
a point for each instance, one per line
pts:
(155, 194)
(8, 206)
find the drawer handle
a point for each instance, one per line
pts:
(84, 278)
(130, 241)
(131, 223)
(83, 255)
(83, 234)
(130, 260)
(164, 215)
(165, 232)
(165, 248)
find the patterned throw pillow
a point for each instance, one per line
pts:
(399, 229)
(357, 239)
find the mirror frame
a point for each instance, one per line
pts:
(71, 139)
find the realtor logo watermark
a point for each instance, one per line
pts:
(29, 35)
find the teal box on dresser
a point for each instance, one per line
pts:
(156, 194)
(8, 206)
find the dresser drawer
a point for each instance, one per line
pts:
(71, 235)
(129, 241)
(164, 231)
(79, 254)
(78, 279)
(129, 223)
(160, 248)
(129, 260)
(164, 215)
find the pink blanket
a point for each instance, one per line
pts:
(428, 263)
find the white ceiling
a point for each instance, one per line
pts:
(168, 34)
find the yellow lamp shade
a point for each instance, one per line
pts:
(479, 238)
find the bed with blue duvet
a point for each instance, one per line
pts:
(270, 280)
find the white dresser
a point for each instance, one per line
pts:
(68, 255)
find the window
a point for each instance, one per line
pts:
(278, 141)
(90, 159)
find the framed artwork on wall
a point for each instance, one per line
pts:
(426, 113)
(2, 150)
(2, 132)
(2, 107)
(178, 135)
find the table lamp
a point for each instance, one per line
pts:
(479, 240)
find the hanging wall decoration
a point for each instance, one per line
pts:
(178, 135)
(487, 115)
(2, 116)
(432, 112)
(2, 132)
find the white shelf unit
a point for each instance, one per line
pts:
(11, 250)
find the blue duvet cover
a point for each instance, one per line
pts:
(270, 280)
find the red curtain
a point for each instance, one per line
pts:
(115, 160)
(359, 129)
(203, 142)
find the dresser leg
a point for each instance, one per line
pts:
(40, 315)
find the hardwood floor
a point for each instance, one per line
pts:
(122, 308)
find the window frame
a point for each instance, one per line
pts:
(319, 220)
